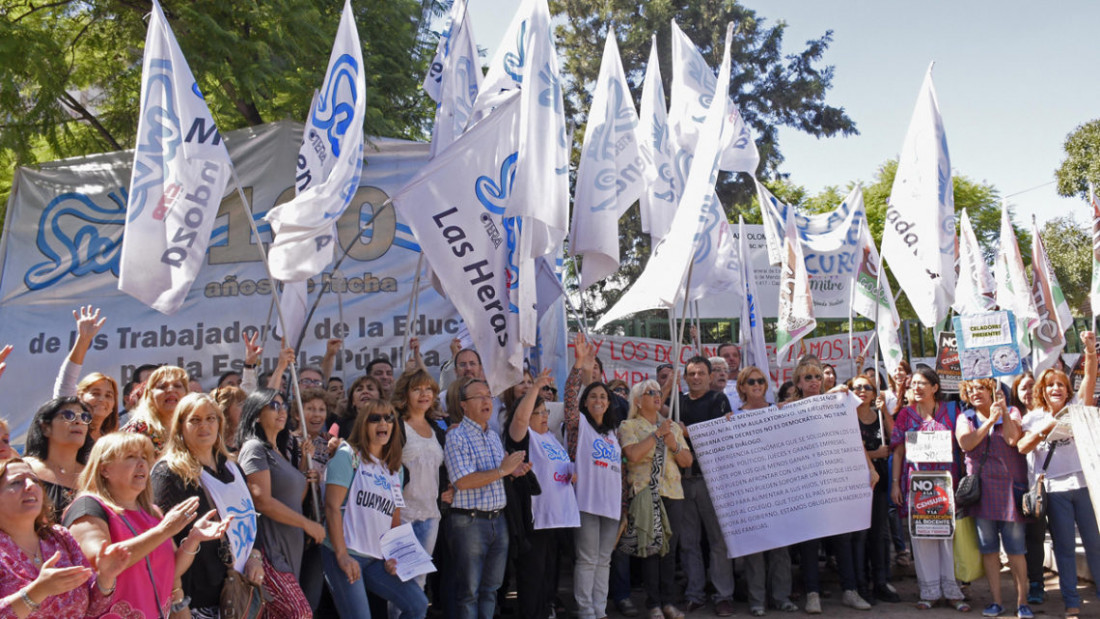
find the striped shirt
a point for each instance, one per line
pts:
(470, 449)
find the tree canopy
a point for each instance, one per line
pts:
(71, 77)
(1082, 162)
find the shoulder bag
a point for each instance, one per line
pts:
(1034, 502)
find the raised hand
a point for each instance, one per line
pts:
(88, 321)
(209, 527)
(178, 517)
(252, 351)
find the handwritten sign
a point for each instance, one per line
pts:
(782, 476)
(923, 447)
(987, 345)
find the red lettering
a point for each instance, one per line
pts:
(628, 351)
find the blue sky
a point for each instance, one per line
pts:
(1013, 79)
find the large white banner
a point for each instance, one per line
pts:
(635, 359)
(782, 476)
(60, 249)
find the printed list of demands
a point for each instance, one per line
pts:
(779, 477)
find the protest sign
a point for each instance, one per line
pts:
(932, 446)
(987, 345)
(931, 505)
(61, 250)
(635, 359)
(947, 362)
(781, 476)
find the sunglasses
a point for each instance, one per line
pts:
(812, 376)
(620, 391)
(862, 388)
(653, 393)
(376, 418)
(752, 382)
(83, 417)
(276, 405)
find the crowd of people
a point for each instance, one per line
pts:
(271, 494)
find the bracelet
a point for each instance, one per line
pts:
(502, 473)
(182, 604)
(251, 366)
(191, 552)
(677, 450)
(109, 592)
(27, 600)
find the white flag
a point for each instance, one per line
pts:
(1049, 335)
(658, 202)
(716, 265)
(612, 171)
(181, 168)
(796, 304)
(305, 227)
(919, 237)
(662, 281)
(754, 348)
(528, 60)
(873, 299)
(1013, 291)
(693, 89)
(821, 233)
(975, 290)
(454, 79)
(454, 207)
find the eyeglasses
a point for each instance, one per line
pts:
(752, 382)
(276, 405)
(653, 393)
(309, 382)
(376, 418)
(83, 417)
(621, 391)
(862, 388)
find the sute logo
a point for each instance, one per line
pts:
(167, 201)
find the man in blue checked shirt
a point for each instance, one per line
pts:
(478, 532)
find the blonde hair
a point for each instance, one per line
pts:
(111, 448)
(805, 368)
(147, 408)
(177, 457)
(110, 423)
(964, 387)
(745, 374)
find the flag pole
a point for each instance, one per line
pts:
(304, 464)
(678, 339)
(410, 322)
(878, 383)
(336, 267)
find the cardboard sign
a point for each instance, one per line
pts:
(928, 447)
(947, 362)
(931, 505)
(987, 345)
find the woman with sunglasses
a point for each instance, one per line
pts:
(542, 517)
(769, 570)
(809, 380)
(875, 427)
(57, 448)
(45, 575)
(153, 415)
(934, 559)
(367, 470)
(115, 507)
(197, 466)
(643, 433)
(1069, 506)
(278, 489)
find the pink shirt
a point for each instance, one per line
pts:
(19, 571)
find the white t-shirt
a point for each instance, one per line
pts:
(599, 472)
(373, 495)
(423, 457)
(732, 395)
(1064, 472)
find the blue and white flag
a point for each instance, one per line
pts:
(836, 233)
(612, 172)
(454, 79)
(665, 182)
(455, 207)
(1094, 287)
(919, 237)
(754, 347)
(181, 168)
(663, 280)
(716, 265)
(693, 89)
(975, 290)
(528, 60)
(305, 227)
(873, 299)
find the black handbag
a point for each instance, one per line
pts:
(969, 491)
(1034, 503)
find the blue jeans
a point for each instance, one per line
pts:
(479, 551)
(1067, 510)
(351, 598)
